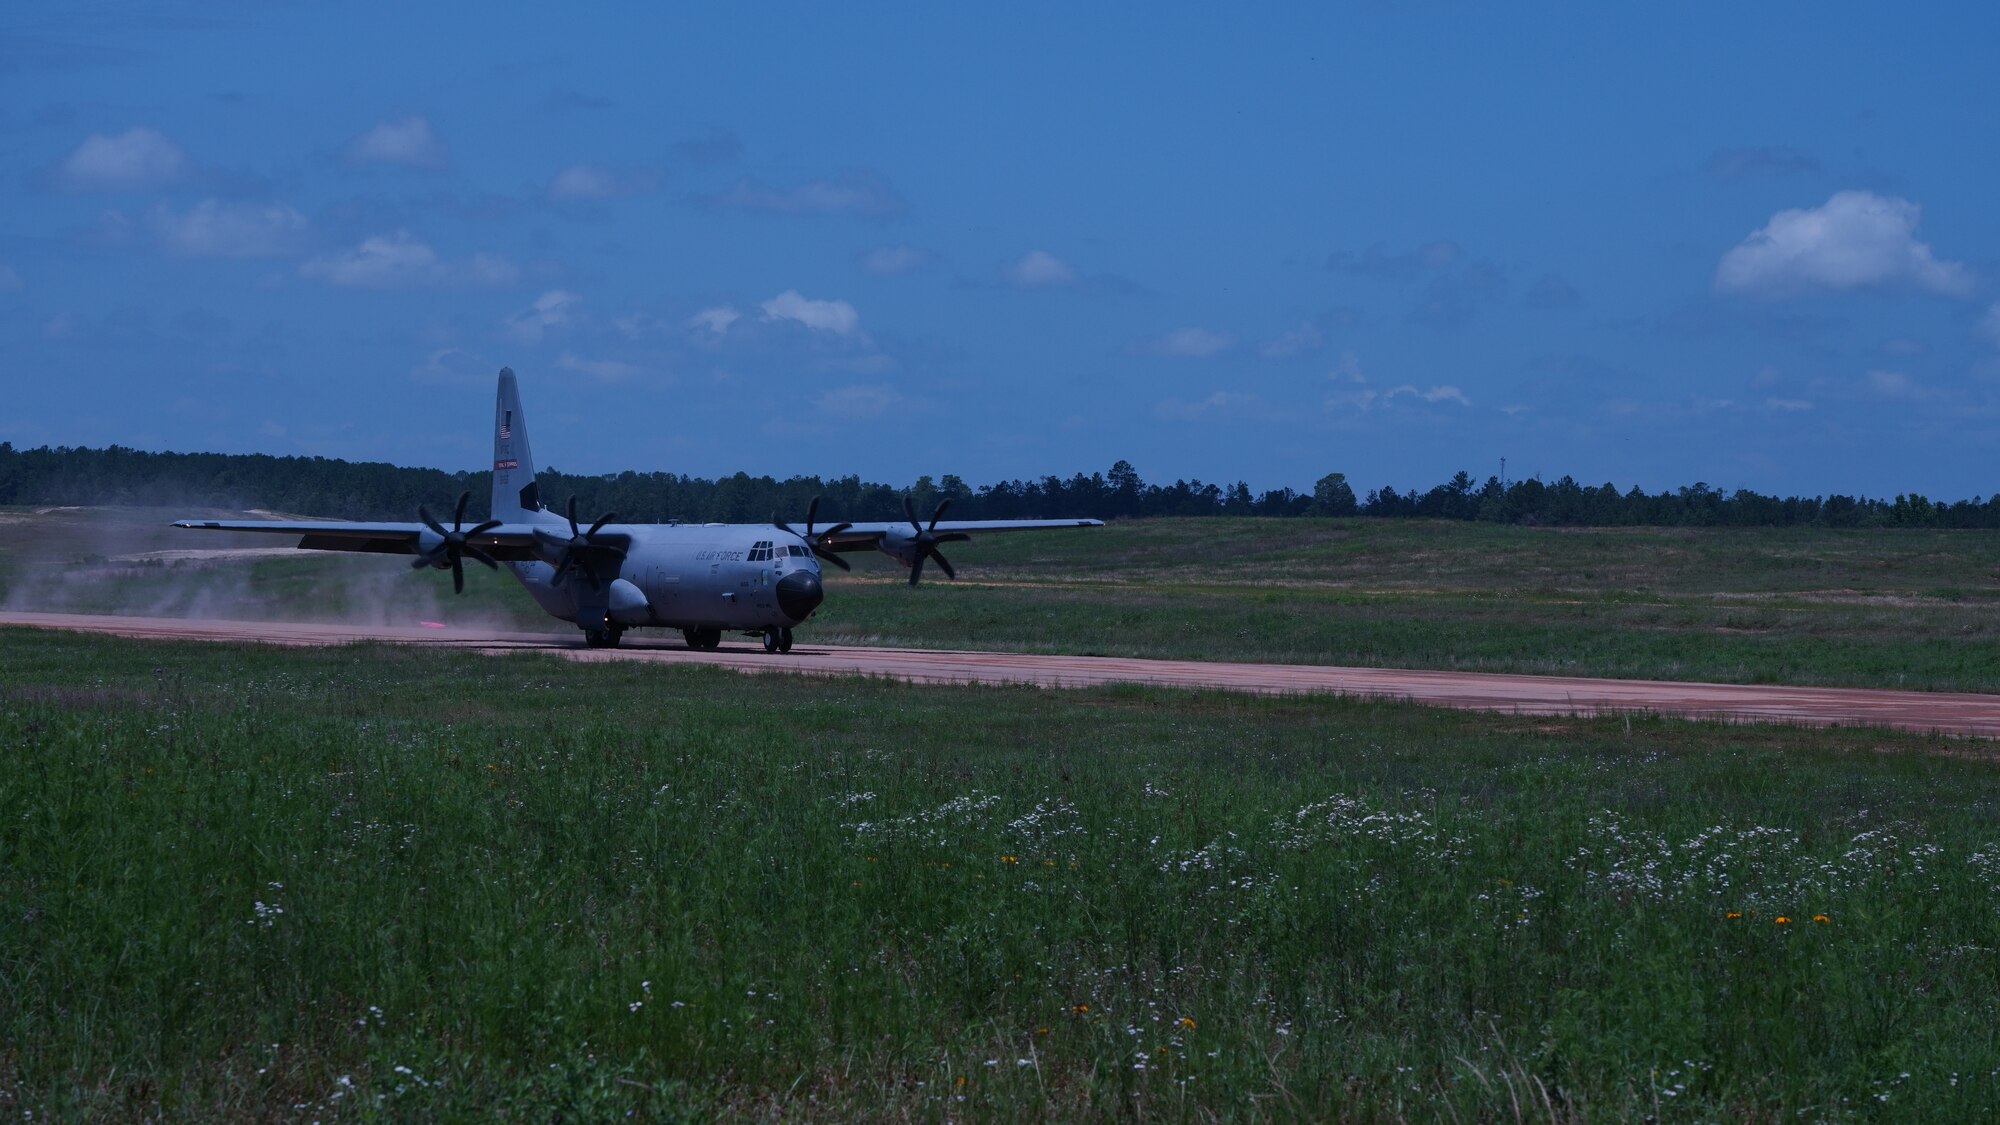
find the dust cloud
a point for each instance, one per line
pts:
(130, 562)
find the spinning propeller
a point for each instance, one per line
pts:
(818, 543)
(927, 540)
(452, 544)
(578, 550)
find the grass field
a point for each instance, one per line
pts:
(1885, 608)
(252, 884)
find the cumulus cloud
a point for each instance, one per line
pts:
(136, 159)
(1187, 343)
(1039, 269)
(594, 181)
(859, 193)
(454, 367)
(408, 141)
(858, 402)
(1890, 384)
(551, 310)
(837, 317)
(603, 370)
(10, 282)
(715, 320)
(394, 261)
(1303, 340)
(1434, 393)
(1787, 405)
(887, 261)
(214, 228)
(1855, 239)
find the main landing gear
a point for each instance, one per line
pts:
(702, 640)
(607, 637)
(776, 639)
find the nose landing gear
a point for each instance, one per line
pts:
(777, 640)
(703, 639)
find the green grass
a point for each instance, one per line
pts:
(1881, 608)
(553, 891)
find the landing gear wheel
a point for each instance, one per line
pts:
(703, 639)
(784, 640)
(612, 635)
(692, 637)
(771, 639)
(598, 638)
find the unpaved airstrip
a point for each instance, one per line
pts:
(1940, 712)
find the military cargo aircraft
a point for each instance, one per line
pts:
(708, 579)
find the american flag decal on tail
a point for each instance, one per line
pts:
(510, 463)
(506, 425)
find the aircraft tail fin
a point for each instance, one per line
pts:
(514, 492)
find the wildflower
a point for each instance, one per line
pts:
(1010, 859)
(1734, 914)
(856, 883)
(959, 1081)
(1783, 921)
(1821, 919)
(1186, 1022)
(1041, 1031)
(1080, 1009)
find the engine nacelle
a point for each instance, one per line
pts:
(628, 604)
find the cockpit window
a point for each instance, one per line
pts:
(760, 551)
(797, 551)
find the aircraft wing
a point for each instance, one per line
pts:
(508, 542)
(870, 536)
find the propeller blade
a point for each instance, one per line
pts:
(483, 528)
(952, 537)
(910, 514)
(917, 569)
(943, 565)
(836, 560)
(457, 576)
(430, 522)
(781, 525)
(562, 573)
(812, 509)
(573, 532)
(422, 561)
(939, 514)
(599, 525)
(830, 532)
(458, 517)
(477, 555)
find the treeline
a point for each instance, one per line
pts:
(375, 491)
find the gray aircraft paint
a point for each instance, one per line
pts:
(753, 578)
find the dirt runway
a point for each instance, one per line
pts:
(1948, 713)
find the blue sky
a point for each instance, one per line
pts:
(1650, 246)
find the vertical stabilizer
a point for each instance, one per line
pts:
(514, 492)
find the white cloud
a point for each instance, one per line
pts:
(392, 261)
(860, 193)
(604, 370)
(217, 229)
(135, 159)
(1855, 239)
(837, 317)
(1299, 341)
(552, 309)
(1788, 405)
(593, 181)
(858, 402)
(1188, 343)
(1890, 384)
(715, 320)
(454, 367)
(10, 282)
(410, 142)
(1436, 393)
(1039, 268)
(887, 261)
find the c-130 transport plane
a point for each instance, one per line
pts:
(703, 579)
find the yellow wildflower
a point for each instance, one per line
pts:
(1821, 919)
(1186, 1022)
(1783, 921)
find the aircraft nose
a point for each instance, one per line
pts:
(799, 593)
